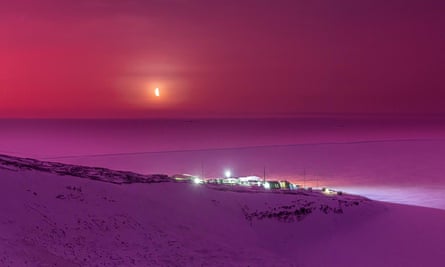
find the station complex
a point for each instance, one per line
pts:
(247, 181)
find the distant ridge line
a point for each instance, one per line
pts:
(241, 148)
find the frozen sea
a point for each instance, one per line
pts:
(397, 159)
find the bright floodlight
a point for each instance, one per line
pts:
(228, 174)
(196, 180)
(157, 93)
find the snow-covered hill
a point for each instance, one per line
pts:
(49, 219)
(94, 173)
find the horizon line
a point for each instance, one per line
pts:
(240, 116)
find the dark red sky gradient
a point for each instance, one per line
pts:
(103, 58)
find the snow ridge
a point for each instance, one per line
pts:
(93, 173)
(49, 220)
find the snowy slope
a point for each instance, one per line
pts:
(406, 172)
(387, 158)
(94, 173)
(53, 220)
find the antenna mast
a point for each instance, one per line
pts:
(202, 170)
(264, 174)
(304, 177)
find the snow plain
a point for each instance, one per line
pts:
(387, 158)
(64, 217)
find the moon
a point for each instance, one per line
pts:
(157, 93)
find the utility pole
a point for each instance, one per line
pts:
(202, 170)
(264, 174)
(304, 177)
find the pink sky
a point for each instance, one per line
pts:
(220, 58)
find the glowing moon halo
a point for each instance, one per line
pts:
(157, 93)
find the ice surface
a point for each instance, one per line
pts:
(385, 158)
